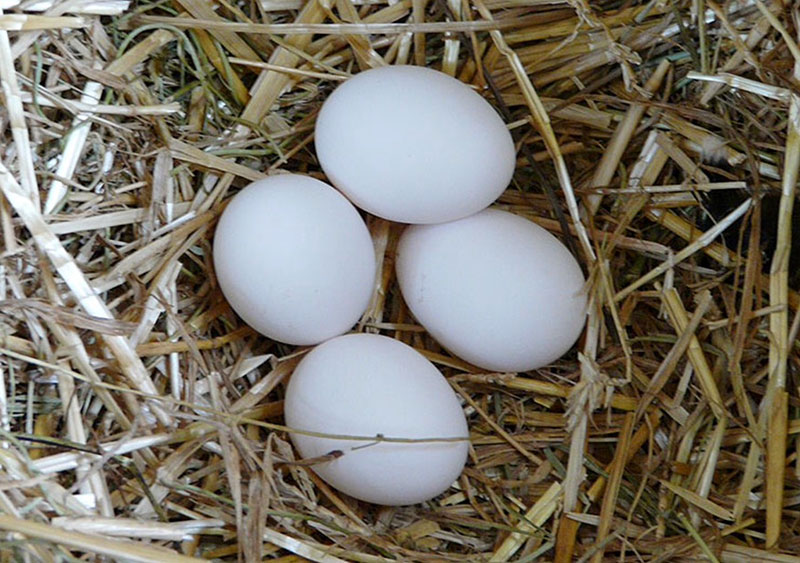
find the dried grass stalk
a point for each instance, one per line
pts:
(69, 271)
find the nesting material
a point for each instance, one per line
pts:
(142, 420)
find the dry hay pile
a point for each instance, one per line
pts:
(141, 420)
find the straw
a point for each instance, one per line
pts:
(142, 420)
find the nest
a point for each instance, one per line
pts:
(141, 420)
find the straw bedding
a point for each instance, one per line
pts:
(140, 420)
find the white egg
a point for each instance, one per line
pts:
(365, 385)
(494, 289)
(294, 259)
(413, 145)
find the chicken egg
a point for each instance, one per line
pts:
(413, 145)
(366, 385)
(294, 259)
(494, 289)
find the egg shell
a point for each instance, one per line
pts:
(294, 259)
(413, 145)
(367, 385)
(494, 289)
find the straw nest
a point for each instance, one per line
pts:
(140, 420)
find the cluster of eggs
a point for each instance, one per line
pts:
(295, 260)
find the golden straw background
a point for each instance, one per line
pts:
(140, 420)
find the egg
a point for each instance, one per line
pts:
(413, 145)
(294, 259)
(494, 289)
(366, 385)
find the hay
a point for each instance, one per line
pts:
(141, 420)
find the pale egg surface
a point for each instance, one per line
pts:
(494, 289)
(413, 145)
(294, 259)
(368, 385)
